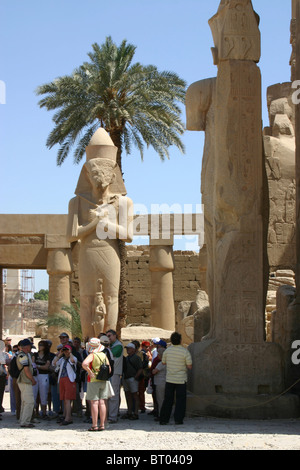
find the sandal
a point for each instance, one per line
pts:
(93, 429)
(101, 428)
(65, 423)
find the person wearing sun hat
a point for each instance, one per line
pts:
(97, 390)
(154, 343)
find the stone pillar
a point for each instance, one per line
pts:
(234, 367)
(296, 76)
(59, 268)
(1, 302)
(161, 266)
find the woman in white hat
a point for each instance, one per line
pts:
(97, 390)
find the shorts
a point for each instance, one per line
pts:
(131, 385)
(43, 386)
(67, 389)
(97, 391)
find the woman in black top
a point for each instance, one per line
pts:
(42, 360)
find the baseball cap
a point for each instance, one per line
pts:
(63, 335)
(104, 339)
(130, 345)
(155, 340)
(162, 343)
(67, 346)
(25, 342)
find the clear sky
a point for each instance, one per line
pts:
(41, 40)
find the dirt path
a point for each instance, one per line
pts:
(147, 434)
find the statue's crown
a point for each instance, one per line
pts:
(101, 146)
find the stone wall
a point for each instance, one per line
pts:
(186, 276)
(187, 280)
(138, 282)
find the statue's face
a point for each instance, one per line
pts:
(100, 173)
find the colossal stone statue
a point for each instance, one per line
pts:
(279, 146)
(233, 365)
(200, 116)
(99, 215)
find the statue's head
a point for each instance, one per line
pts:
(100, 169)
(101, 173)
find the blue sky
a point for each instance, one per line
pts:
(43, 40)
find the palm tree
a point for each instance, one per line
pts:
(136, 104)
(70, 322)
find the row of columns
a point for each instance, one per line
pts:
(161, 266)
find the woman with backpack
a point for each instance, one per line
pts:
(97, 390)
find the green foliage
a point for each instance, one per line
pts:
(136, 104)
(43, 294)
(69, 322)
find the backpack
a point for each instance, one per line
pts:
(110, 360)
(13, 368)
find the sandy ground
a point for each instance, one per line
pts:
(147, 434)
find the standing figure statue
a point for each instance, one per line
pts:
(99, 308)
(99, 215)
(200, 116)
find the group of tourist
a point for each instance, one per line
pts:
(51, 385)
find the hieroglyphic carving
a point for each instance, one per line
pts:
(238, 297)
(234, 358)
(235, 32)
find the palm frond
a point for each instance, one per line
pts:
(138, 102)
(69, 322)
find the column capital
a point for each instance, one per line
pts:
(59, 261)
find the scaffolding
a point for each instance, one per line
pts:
(27, 293)
(18, 287)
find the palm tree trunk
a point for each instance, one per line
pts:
(116, 138)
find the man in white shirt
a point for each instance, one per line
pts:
(177, 360)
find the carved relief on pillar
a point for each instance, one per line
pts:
(235, 32)
(238, 205)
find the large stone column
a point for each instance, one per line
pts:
(287, 307)
(296, 76)
(1, 302)
(234, 369)
(59, 270)
(161, 266)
